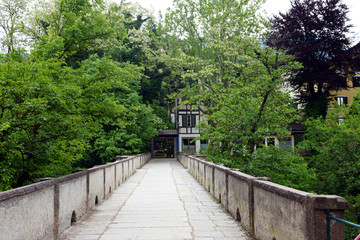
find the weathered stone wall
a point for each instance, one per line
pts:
(96, 186)
(183, 160)
(268, 210)
(110, 179)
(72, 190)
(43, 210)
(27, 212)
(119, 174)
(126, 171)
(284, 216)
(239, 193)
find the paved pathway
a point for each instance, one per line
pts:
(160, 201)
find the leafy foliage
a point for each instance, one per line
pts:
(43, 124)
(68, 103)
(281, 166)
(11, 14)
(230, 75)
(335, 151)
(254, 102)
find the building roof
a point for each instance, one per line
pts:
(168, 132)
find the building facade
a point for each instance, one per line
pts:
(186, 119)
(346, 96)
(183, 138)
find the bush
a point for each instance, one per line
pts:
(282, 166)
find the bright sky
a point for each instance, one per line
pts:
(271, 6)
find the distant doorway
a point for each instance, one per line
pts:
(164, 148)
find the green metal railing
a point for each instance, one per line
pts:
(329, 217)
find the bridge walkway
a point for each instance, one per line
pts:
(160, 201)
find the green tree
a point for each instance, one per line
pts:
(11, 13)
(334, 144)
(74, 30)
(111, 98)
(43, 130)
(232, 77)
(61, 106)
(142, 48)
(284, 167)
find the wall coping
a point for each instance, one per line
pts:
(324, 202)
(283, 191)
(71, 176)
(26, 189)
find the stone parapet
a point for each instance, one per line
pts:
(43, 210)
(265, 209)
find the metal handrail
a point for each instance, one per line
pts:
(329, 217)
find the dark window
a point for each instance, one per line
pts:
(193, 121)
(298, 139)
(203, 144)
(183, 120)
(189, 120)
(271, 141)
(356, 81)
(341, 100)
(188, 144)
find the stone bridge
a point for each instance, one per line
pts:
(135, 198)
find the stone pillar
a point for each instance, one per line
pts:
(320, 204)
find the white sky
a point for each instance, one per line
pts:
(271, 6)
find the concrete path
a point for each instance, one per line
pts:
(160, 201)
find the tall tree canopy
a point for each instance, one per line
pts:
(235, 80)
(11, 14)
(70, 101)
(314, 31)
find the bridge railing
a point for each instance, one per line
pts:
(44, 210)
(330, 217)
(266, 209)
